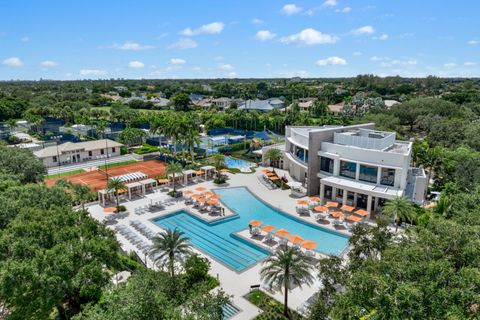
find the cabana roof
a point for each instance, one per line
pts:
(208, 168)
(188, 172)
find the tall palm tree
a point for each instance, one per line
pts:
(81, 194)
(286, 268)
(218, 161)
(192, 138)
(273, 155)
(173, 168)
(168, 247)
(158, 126)
(399, 208)
(115, 184)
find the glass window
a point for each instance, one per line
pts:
(387, 177)
(54, 158)
(348, 169)
(102, 151)
(326, 164)
(368, 173)
(113, 149)
(89, 153)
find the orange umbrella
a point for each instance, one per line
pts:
(200, 188)
(196, 196)
(268, 228)
(163, 180)
(214, 196)
(265, 170)
(187, 192)
(302, 201)
(199, 172)
(207, 193)
(202, 200)
(110, 209)
(309, 245)
(224, 170)
(270, 174)
(314, 199)
(354, 218)
(347, 208)
(320, 209)
(274, 178)
(295, 239)
(361, 212)
(332, 204)
(255, 223)
(212, 201)
(336, 214)
(282, 233)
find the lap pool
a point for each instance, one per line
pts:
(217, 240)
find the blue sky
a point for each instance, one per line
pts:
(239, 38)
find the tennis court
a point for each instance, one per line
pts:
(97, 179)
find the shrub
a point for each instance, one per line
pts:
(121, 208)
(123, 150)
(146, 148)
(219, 180)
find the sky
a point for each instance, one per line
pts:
(86, 39)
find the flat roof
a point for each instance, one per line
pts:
(385, 191)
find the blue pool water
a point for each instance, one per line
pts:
(237, 163)
(217, 239)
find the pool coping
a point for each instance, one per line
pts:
(235, 216)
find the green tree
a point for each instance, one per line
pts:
(399, 208)
(82, 194)
(181, 101)
(131, 136)
(169, 247)
(22, 164)
(273, 155)
(218, 161)
(286, 268)
(174, 168)
(115, 185)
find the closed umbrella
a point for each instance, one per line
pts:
(295, 239)
(309, 245)
(282, 233)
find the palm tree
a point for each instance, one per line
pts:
(218, 161)
(399, 208)
(192, 138)
(81, 194)
(173, 168)
(273, 155)
(170, 245)
(286, 268)
(115, 184)
(158, 126)
(64, 183)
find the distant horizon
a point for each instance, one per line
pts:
(248, 39)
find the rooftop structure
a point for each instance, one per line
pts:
(262, 105)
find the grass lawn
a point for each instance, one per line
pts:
(111, 165)
(64, 174)
(272, 309)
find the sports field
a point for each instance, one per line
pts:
(97, 179)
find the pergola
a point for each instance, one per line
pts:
(177, 176)
(207, 169)
(187, 174)
(138, 187)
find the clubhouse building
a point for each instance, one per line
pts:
(354, 165)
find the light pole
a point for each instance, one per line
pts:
(57, 139)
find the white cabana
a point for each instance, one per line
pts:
(131, 176)
(188, 174)
(148, 183)
(207, 169)
(134, 186)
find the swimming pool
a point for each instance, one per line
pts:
(238, 163)
(218, 240)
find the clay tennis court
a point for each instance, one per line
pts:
(97, 180)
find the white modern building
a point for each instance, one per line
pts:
(354, 165)
(71, 152)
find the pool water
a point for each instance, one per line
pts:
(217, 239)
(238, 163)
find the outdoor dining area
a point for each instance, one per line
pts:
(204, 201)
(342, 217)
(280, 236)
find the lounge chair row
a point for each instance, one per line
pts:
(139, 243)
(143, 229)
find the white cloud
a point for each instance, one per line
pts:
(197, 69)
(48, 64)
(450, 65)
(183, 43)
(470, 63)
(136, 64)
(330, 3)
(363, 30)
(264, 35)
(412, 62)
(177, 61)
(473, 42)
(24, 39)
(225, 66)
(357, 53)
(309, 37)
(290, 9)
(346, 9)
(232, 74)
(258, 22)
(383, 37)
(12, 62)
(211, 28)
(331, 61)
(92, 72)
(134, 46)
(376, 58)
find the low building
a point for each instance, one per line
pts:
(336, 109)
(304, 104)
(71, 152)
(262, 105)
(221, 103)
(355, 165)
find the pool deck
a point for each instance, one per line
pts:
(233, 283)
